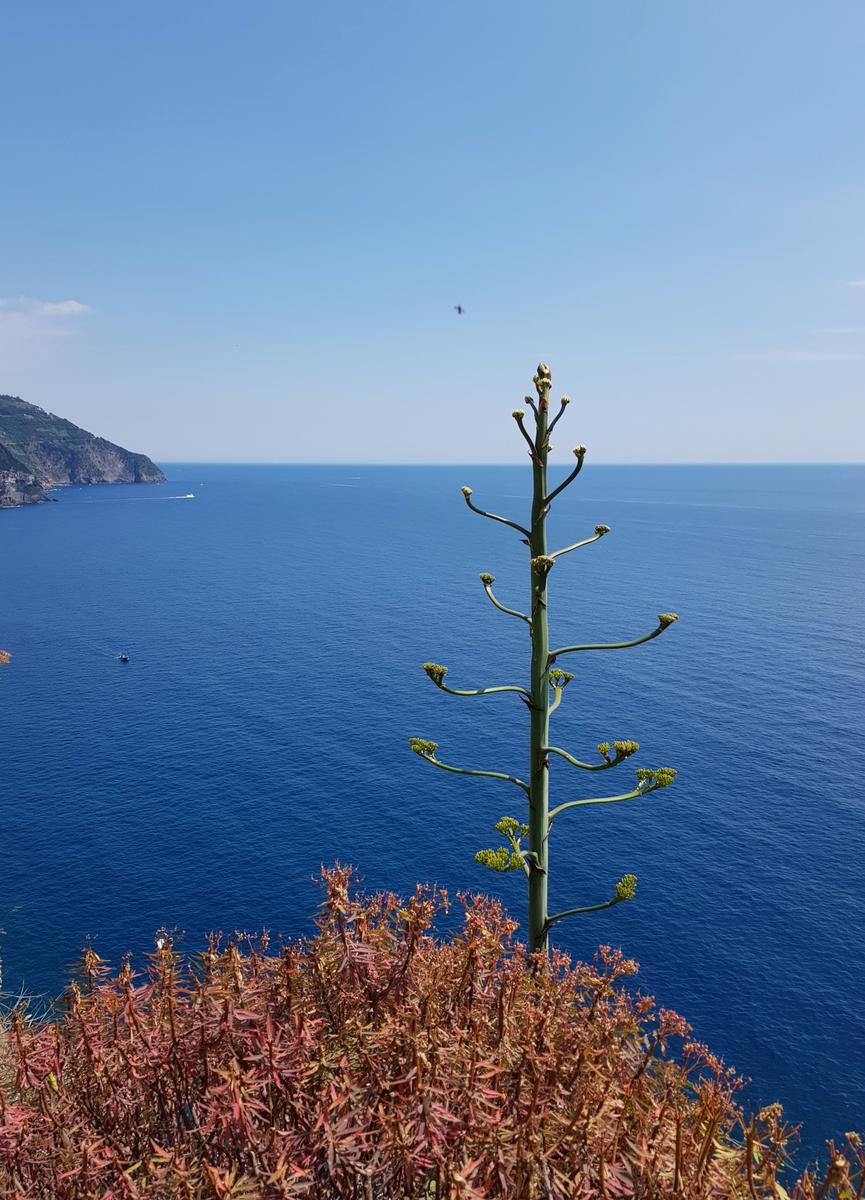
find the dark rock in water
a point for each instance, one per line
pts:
(40, 451)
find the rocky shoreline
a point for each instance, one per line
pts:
(39, 451)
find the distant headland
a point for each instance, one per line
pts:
(39, 451)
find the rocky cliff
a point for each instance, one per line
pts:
(18, 485)
(39, 451)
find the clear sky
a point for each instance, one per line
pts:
(236, 231)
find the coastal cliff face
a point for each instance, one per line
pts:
(40, 451)
(18, 485)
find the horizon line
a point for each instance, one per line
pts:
(261, 462)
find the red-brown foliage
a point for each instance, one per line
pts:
(377, 1062)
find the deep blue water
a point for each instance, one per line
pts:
(275, 625)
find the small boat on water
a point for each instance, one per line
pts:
(123, 657)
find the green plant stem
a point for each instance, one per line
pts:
(494, 517)
(556, 418)
(482, 774)
(602, 766)
(601, 800)
(482, 691)
(539, 794)
(512, 612)
(515, 846)
(545, 688)
(569, 479)
(607, 645)
(576, 546)
(522, 429)
(573, 912)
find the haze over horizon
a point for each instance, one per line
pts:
(239, 236)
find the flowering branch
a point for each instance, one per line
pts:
(500, 859)
(437, 672)
(426, 750)
(488, 580)
(580, 452)
(622, 751)
(467, 493)
(519, 416)
(600, 531)
(559, 680)
(647, 781)
(664, 622)
(564, 402)
(626, 889)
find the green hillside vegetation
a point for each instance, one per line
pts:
(45, 451)
(8, 461)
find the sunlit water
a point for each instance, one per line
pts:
(275, 623)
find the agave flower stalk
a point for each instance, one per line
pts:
(526, 845)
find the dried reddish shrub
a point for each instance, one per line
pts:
(378, 1062)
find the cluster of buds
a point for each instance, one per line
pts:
(486, 579)
(559, 678)
(436, 672)
(665, 619)
(543, 379)
(579, 451)
(626, 888)
(511, 827)
(422, 747)
(660, 778)
(600, 530)
(543, 563)
(622, 750)
(501, 859)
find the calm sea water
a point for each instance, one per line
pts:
(275, 625)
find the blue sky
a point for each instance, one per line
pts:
(236, 231)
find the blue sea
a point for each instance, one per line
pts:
(276, 623)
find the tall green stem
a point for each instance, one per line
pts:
(547, 686)
(539, 779)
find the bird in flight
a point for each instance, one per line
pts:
(458, 308)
